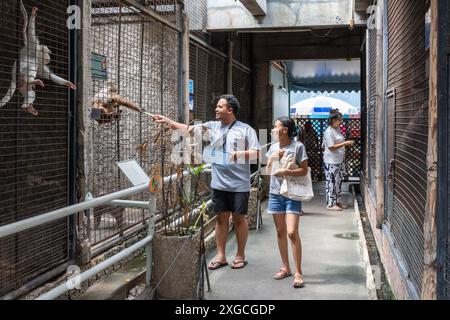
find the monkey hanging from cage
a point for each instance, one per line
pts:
(34, 60)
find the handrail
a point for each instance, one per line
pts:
(67, 285)
(32, 222)
(114, 198)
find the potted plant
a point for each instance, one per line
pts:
(177, 247)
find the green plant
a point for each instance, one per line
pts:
(181, 221)
(193, 229)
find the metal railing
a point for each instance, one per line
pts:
(111, 199)
(114, 199)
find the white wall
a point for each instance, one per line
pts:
(280, 93)
(232, 15)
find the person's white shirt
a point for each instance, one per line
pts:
(331, 138)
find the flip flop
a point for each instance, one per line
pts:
(217, 265)
(282, 274)
(233, 266)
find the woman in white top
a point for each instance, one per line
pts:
(286, 212)
(334, 144)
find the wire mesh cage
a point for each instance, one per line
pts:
(242, 92)
(196, 10)
(34, 137)
(140, 58)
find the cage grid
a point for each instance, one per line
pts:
(142, 57)
(33, 150)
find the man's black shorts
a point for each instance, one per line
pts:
(234, 202)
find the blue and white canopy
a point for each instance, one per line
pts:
(321, 106)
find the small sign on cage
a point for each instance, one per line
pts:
(134, 172)
(99, 66)
(191, 86)
(191, 103)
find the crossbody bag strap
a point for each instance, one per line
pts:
(226, 134)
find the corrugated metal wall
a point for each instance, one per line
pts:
(371, 108)
(219, 40)
(242, 91)
(34, 151)
(407, 75)
(208, 69)
(242, 85)
(202, 65)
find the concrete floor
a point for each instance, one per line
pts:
(332, 266)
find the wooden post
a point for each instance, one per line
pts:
(429, 277)
(84, 130)
(185, 86)
(379, 116)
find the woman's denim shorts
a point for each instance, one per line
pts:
(279, 204)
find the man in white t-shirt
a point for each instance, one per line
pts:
(237, 142)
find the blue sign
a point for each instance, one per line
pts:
(98, 66)
(191, 86)
(322, 110)
(191, 103)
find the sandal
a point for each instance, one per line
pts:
(244, 263)
(334, 208)
(214, 265)
(298, 281)
(282, 274)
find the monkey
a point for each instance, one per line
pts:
(108, 101)
(34, 60)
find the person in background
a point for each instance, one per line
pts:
(334, 144)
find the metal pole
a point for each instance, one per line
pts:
(151, 232)
(64, 287)
(91, 221)
(130, 204)
(258, 207)
(67, 211)
(29, 223)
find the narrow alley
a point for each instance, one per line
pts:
(131, 129)
(332, 261)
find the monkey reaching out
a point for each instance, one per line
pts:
(108, 102)
(34, 60)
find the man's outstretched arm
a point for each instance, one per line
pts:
(171, 124)
(176, 125)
